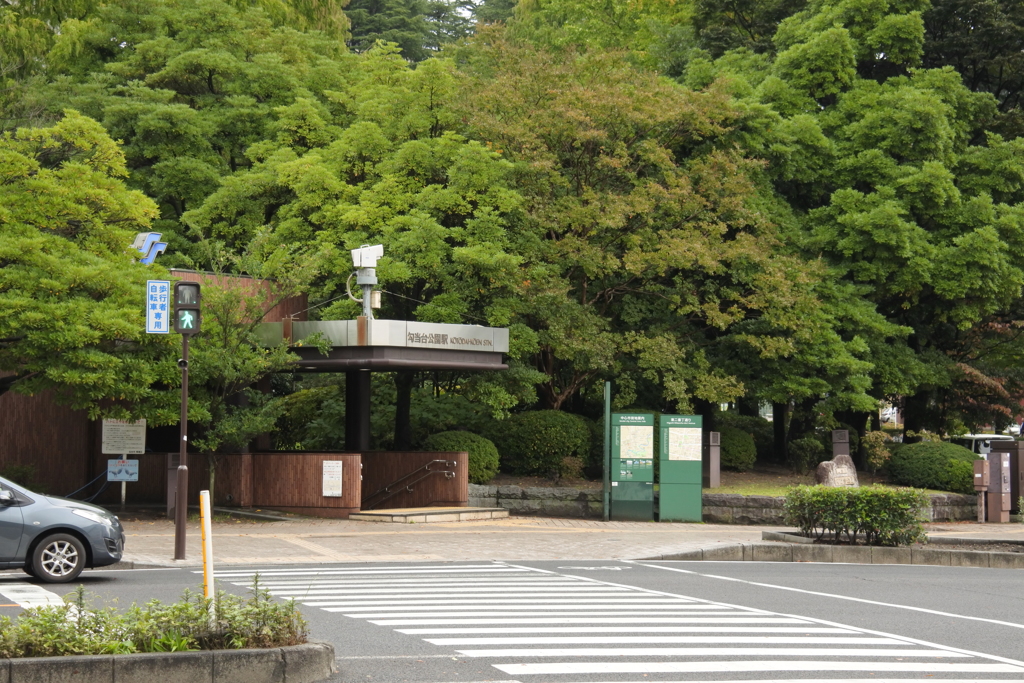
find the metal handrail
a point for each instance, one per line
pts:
(403, 485)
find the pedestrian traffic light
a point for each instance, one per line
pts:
(187, 317)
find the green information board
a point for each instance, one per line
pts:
(682, 449)
(632, 480)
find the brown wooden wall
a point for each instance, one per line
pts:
(294, 481)
(294, 307)
(381, 468)
(54, 439)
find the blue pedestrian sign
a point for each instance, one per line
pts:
(158, 306)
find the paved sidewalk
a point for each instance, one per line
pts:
(515, 538)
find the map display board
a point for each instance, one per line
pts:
(681, 459)
(632, 474)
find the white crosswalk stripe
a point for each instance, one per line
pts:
(535, 626)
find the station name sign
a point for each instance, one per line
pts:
(445, 340)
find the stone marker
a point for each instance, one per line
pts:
(839, 471)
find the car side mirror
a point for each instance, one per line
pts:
(7, 497)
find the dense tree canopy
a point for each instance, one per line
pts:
(816, 203)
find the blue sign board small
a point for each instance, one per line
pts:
(158, 306)
(122, 470)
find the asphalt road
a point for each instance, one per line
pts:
(604, 621)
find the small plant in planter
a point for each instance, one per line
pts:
(230, 622)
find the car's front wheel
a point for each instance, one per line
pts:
(58, 558)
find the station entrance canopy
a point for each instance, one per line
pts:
(364, 345)
(390, 345)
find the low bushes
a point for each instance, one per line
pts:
(483, 455)
(546, 443)
(257, 621)
(883, 516)
(930, 465)
(805, 454)
(738, 451)
(758, 427)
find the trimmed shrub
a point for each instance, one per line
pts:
(738, 449)
(883, 516)
(483, 455)
(925, 465)
(958, 477)
(758, 427)
(805, 454)
(546, 443)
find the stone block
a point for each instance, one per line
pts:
(308, 663)
(812, 553)
(559, 508)
(482, 502)
(968, 558)
(851, 554)
(76, 669)
(482, 490)
(522, 507)
(880, 555)
(248, 666)
(772, 552)
(551, 493)
(509, 492)
(929, 556)
(685, 555)
(730, 500)
(733, 551)
(165, 667)
(717, 515)
(1006, 560)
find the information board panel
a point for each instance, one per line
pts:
(332, 478)
(632, 475)
(121, 437)
(122, 470)
(681, 455)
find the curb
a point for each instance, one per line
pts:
(307, 663)
(802, 551)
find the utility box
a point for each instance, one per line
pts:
(998, 496)
(681, 460)
(632, 475)
(1016, 451)
(712, 463)
(981, 476)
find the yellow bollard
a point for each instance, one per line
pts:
(205, 519)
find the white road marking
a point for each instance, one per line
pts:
(28, 595)
(560, 668)
(708, 652)
(590, 607)
(504, 613)
(654, 640)
(320, 602)
(835, 596)
(613, 620)
(625, 629)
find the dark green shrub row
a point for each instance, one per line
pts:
(544, 443)
(738, 449)
(758, 427)
(74, 628)
(883, 516)
(933, 465)
(483, 455)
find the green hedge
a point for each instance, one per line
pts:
(929, 465)
(758, 427)
(738, 449)
(805, 454)
(545, 443)
(883, 516)
(483, 455)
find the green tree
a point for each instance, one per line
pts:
(402, 22)
(71, 295)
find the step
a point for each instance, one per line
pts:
(428, 515)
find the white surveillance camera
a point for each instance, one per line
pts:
(366, 256)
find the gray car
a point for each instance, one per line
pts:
(54, 538)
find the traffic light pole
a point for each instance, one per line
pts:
(181, 493)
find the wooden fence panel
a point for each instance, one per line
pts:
(294, 481)
(382, 468)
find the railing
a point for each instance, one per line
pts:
(402, 484)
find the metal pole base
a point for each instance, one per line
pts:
(180, 513)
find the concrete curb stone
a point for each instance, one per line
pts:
(307, 663)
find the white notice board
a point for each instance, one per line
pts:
(121, 437)
(332, 478)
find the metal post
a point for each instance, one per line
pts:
(181, 495)
(124, 486)
(607, 449)
(981, 507)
